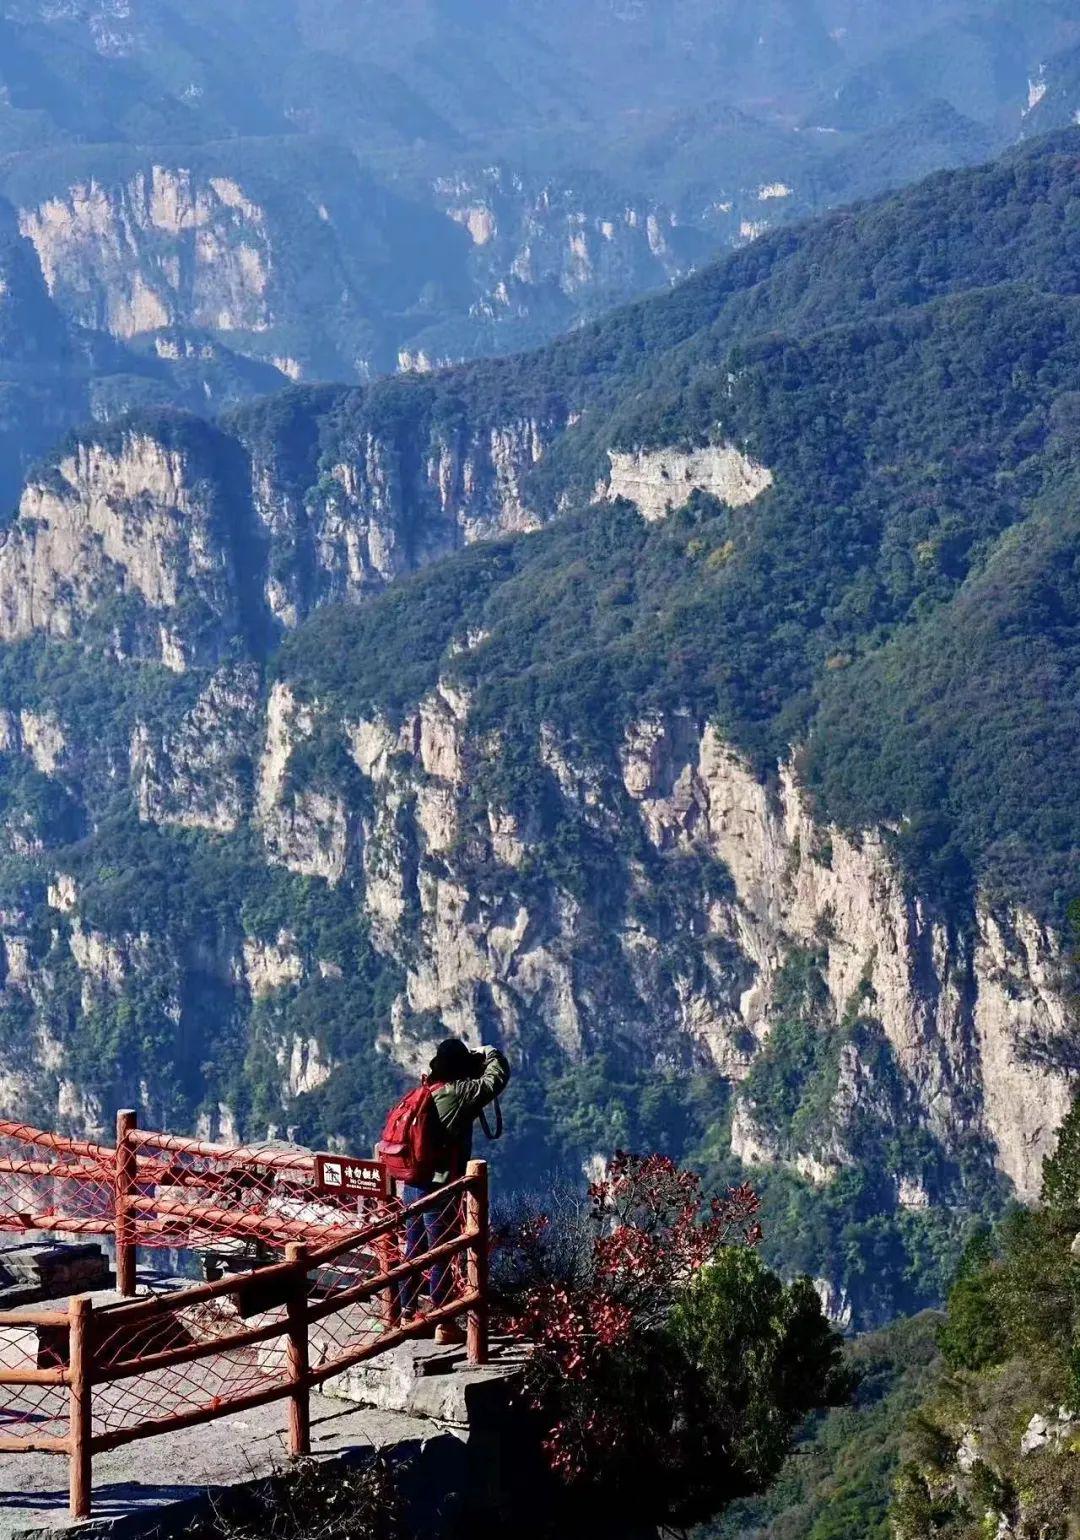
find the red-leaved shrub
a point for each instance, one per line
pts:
(593, 1290)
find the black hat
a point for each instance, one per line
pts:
(453, 1060)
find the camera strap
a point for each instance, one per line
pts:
(497, 1133)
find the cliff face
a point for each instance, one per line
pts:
(392, 504)
(137, 519)
(527, 236)
(165, 247)
(956, 1012)
(543, 254)
(177, 515)
(212, 538)
(214, 535)
(724, 881)
(196, 249)
(660, 480)
(183, 255)
(62, 358)
(679, 959)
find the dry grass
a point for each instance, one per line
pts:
(309, 1500)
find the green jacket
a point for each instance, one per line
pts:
(459, 1103)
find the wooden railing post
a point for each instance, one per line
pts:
(80, 1391)
(476, 1219)
(390, 1249)
(126, 1122)
(297, 1357)
(389, 1253)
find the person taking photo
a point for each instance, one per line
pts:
(427, 1143)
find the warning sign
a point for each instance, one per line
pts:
(341, 1176)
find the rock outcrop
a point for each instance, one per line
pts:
(198, 776)
(659, 480)
(712, 884)
(134, 517)
(394, 504)
(957, 1012)
(166, 246)
(538, 249)
(211, 538)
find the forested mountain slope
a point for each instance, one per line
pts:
(838, 1482)
(691, 705)
(993, 1446)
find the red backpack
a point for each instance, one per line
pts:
(413, 1145)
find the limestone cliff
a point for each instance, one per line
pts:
(542, 252)
(212, 538)
(525, 234)
(164, 246)
(395, 504)
(177, 249)
(441, 879)
(134, 516)
(716, 880)
(672, 957)
(197, 775)
(660, 480)
(192, 254)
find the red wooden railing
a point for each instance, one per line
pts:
(84, 1380)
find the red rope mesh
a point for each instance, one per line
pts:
(186, 1193)
(200, 1350)
(232, 1343)
(201, 1195)
(33, 1411)
(46, 1179)
(228, 1372)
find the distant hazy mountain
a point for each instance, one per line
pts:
(335, 188)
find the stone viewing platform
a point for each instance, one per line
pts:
(295, 1348)
(446, 1428)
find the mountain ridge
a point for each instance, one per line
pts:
(434, 223)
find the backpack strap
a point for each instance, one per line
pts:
(447, 1143)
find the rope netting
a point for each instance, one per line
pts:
(220, 1346)
(368, 1270)
(181, 1193)
(47, 1178)
(204, 1196)
(146, 1372)
(345, 1317)
(233, 1346)
(34, 1345)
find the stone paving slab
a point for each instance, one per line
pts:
(423, 1380)
(418, 1403)
(162, 1484)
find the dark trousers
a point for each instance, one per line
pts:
(423, 1232)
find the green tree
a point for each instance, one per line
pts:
(758, 1355)
(1061, 1171)
(973, 1332)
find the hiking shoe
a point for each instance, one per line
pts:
(449, 1334)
